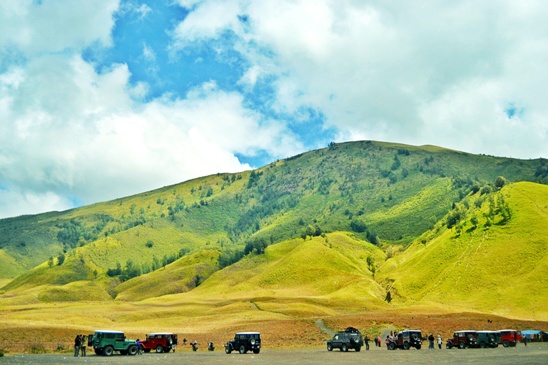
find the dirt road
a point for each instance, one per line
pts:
(534, 353)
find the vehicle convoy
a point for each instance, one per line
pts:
(487, 339)
(406, 339)
(509, 338)
(160, 342)
(351, 338)
(463, 339)
(244, 342)
(106, 342)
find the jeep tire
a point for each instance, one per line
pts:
(256, 351)
(159, 349)
(228, 349)
(406, 345)
(391, 346)
(344, 348)
(418, 347)
(358, 348)
(506, 343)
(243, 350)
(329, 347)
(108, 351)
(132, 350)
(462, 345)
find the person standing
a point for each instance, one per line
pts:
(76, 345)
(366, 339)
(83, 344)
(138, 344)
(431, 341)
(439, 342)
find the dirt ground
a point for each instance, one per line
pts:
(533, 353)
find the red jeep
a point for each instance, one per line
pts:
(161, 342)
(509, 337)
(463, 339)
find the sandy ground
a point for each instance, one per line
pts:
(534, 353)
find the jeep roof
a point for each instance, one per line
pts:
(248, 333)
(109, 331)
(159, 333)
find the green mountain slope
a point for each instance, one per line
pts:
(497, 268)
(190, 237)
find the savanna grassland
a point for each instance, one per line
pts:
(374, 235)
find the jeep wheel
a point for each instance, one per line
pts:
(256, 351)
(406, 345)
(392, 346)
(132, 350)
(462, 345)
(108, 351)
(243, 350)
(228, 349)
(418, 347)
(329, 347)
(358, 348)
(159, 349)
(506, 343)
(448, 346)
(483, 345)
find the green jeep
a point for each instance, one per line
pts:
(106, 342)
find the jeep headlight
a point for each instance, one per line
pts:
(253, 341)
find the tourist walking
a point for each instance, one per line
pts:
(439, 342)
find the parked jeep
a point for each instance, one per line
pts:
(463, 339)
(509, 337)
(406, 339)
(160, 342)
(487, 339)
(105, 342)
(244, 342)
(351, 338)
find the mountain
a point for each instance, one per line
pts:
(355, 225)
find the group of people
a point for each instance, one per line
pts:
(431, 340)
(80, 344)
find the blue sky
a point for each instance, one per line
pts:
(107, 98)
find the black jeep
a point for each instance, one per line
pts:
(351, 338)
(244, 342)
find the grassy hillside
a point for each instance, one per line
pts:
(382, 191)
(285, 220)
(498, 267)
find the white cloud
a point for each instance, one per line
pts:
(70, 131)
(378, 70)
(55, 26)
(440, 73)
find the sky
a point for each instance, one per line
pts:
(101, 99)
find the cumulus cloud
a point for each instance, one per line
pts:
(72, 133)
(392, 71)
(466, 75)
